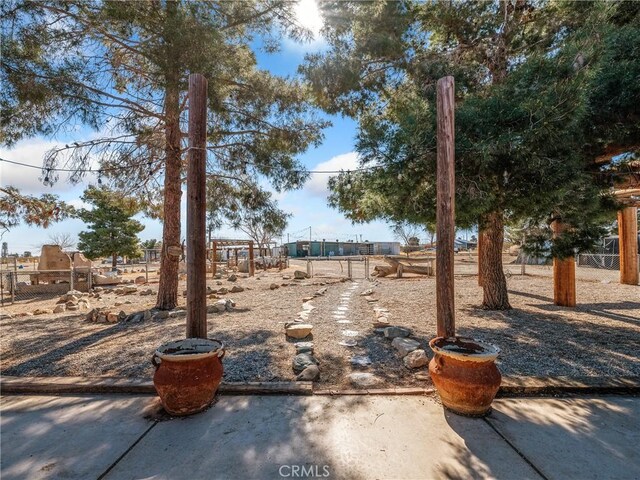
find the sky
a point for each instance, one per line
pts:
(308, 206)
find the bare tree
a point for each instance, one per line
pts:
(64, 240)
(408, 234)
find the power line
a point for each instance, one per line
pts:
(146, 162)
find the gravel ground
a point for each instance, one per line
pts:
(598, 338)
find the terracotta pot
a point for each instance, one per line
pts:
(188, 373)
(465, 374)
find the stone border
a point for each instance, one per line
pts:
(511, 386)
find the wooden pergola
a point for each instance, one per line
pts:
(626, 189)
(235, 245)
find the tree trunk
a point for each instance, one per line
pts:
(494, 283)
(114, 262)
(169, 261)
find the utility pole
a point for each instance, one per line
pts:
(196, 209)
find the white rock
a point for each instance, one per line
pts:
(416, 359)
(298, 330)
(360, 379)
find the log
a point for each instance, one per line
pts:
(394, 263)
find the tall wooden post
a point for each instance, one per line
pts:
(196, 209)
(445, 301)
(564, 274)
(252, 266)
(628, 241)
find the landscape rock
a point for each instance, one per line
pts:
(42, 311)
(298, 330)
(360, 361)
(72, 308)
(232, 278)
(302, 361)
(416, 359)
(129, 289)
(304, 347)
(363, 379)
(161, 315)
(404, 345)
(394, 332)
(236, 289)
(273, 286)
(310, 374)
(286, 277)
(223, 291)
(367, 292)
(140, 280)
(60, 308)
(300, 275)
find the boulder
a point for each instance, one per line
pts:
(140, 280)
(416, 359)
(298, 330)
(405, 345)
(394, 332)
(309, 374)
(60, 308)
(302, 361)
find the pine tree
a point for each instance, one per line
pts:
(121, 67)
(526, 73)
(112, 230)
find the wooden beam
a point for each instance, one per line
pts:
(196, 209)
(628, 241)
(564, 275)
(445, 213)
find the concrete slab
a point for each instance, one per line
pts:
(585, 438)
(67, 437)
(358, 437)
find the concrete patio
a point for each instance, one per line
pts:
(342, 437)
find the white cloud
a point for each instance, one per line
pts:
(317, 185)
(30, 152)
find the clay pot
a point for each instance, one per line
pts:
(188, 373)
(465, 374)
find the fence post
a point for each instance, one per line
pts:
(308, 268)
(366, 268)
(523, 270)
(90, 277)
(146, 268)
(14, 284)
(72, 267)
(349, 273)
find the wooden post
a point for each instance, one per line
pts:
(480, 266)
(214, 259)
(196, 209)
(628, 241)
(564, 275)
(252, 267)
(445, 214)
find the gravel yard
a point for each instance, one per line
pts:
(600, 337)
